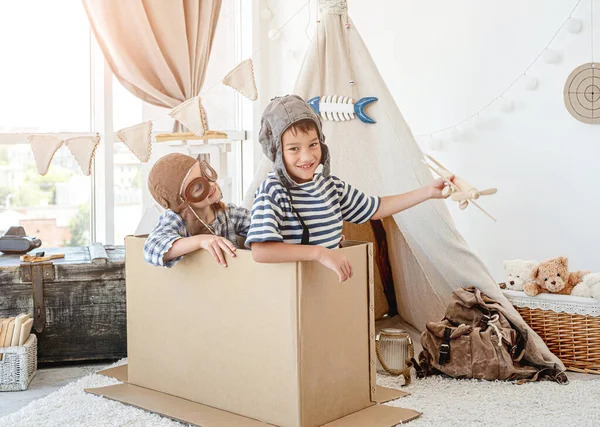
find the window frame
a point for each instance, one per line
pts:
(102, 195)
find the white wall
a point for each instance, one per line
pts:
(443, 61)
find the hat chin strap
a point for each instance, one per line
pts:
(285, 178)
(208, 227)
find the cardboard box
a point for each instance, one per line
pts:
(281, 344)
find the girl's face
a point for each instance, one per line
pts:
(214, 194)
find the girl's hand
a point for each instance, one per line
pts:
(216, 245)
(437, 186)
(336, 261)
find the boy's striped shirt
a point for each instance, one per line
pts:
(323, 204)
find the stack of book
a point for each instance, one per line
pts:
(15, 331)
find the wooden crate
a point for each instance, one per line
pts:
(84, 313)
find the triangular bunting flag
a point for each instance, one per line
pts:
(138, 139)
(191, 114)
(241, 78)
(44, 147)
(83, 149)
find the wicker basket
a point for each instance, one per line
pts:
(18, 365)
(569, 325)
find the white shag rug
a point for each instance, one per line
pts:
(449, 402)
(444, 402)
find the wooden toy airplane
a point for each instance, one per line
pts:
(459, 190)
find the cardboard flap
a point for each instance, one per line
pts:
(173, 407)
(384, 394)
(119, 373)
(376, 416)
(332, 347)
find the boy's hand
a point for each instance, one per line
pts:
(216, 245)
(437, 186)
(336, 261)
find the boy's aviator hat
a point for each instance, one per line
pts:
(280, 114)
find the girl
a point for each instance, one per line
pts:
(195, 217)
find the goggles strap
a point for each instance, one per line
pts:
(208, 227)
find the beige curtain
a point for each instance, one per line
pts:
(158, 49)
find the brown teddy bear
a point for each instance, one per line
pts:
(552, 276)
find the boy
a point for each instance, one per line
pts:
(195, 217)
(298, 206)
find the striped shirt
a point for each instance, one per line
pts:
(232, 222)
(323, 203)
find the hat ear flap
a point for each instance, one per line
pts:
(325, 160)
(161, 197)
(265, 138)
(281, 171)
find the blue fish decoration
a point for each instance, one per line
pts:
(341, 108)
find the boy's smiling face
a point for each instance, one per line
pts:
(301, 153)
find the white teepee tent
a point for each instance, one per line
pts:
(429, 257)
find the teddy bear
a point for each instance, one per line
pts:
(552, 276)
(589, 286)
(518, 272)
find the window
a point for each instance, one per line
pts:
(220, 101)
(57, 82)
(128, 182)
(221, 104)
(45, 87)
(45, 76)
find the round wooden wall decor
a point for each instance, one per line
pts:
(582, 93)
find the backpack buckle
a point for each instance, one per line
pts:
(445, 347)
(444, 353)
